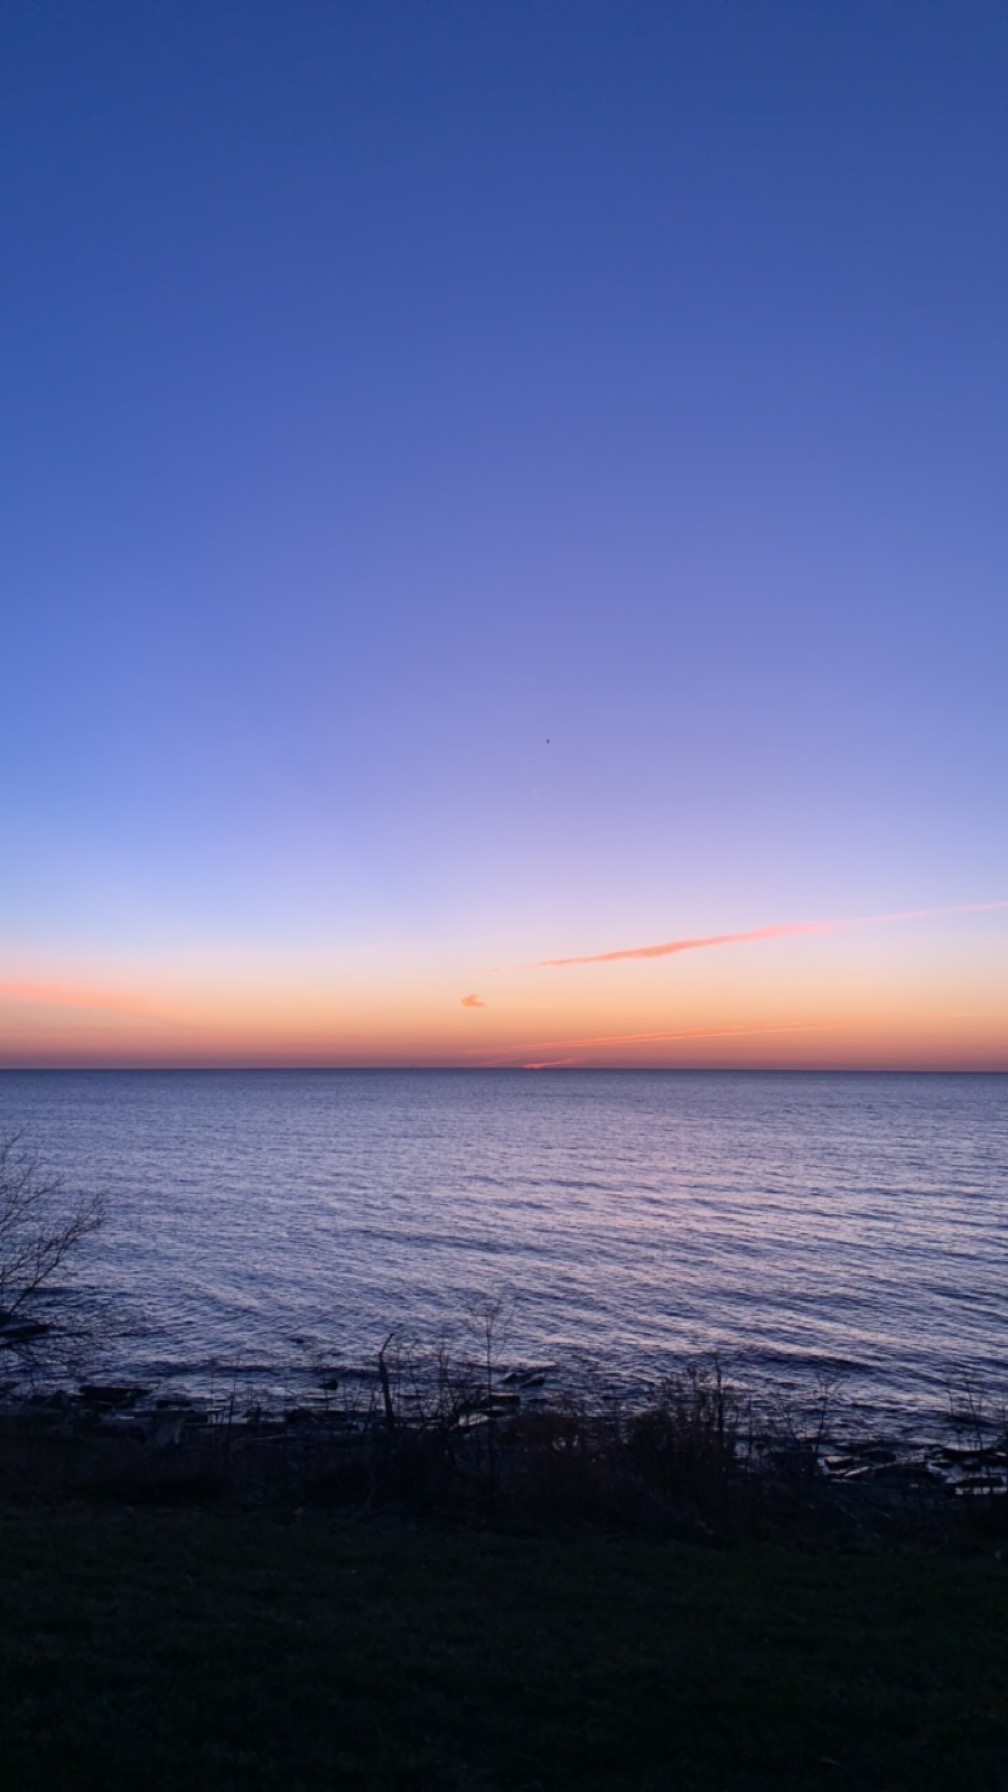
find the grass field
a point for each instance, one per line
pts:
(152, 1650)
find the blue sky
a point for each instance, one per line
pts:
(488, 483)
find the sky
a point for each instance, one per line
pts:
(503, 549)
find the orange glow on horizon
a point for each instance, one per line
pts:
(833, 999)
(122, 1037)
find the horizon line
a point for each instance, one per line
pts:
(567, 1067)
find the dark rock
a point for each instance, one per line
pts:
(21, 1331)
(111, 1398)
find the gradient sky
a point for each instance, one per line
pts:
(493, 484)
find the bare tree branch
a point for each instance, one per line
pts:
(41, 1225)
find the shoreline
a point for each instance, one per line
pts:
(451, 1440)
(852, 1412)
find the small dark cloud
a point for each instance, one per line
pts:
(473, 1001)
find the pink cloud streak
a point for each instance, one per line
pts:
(833, 1025)
(784, 930)
(795, 1026)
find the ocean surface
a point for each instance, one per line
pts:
(274, 1222)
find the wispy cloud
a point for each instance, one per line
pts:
(74, 995)
(790, 1026)
(667, 948)
(785, 930)
(831, 1024)
(473, 1001)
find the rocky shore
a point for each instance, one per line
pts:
(694, 1457)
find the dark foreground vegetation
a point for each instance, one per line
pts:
(435, 1587)
(458, 1442)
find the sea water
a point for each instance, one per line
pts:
(626, 1222)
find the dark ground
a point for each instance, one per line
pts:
(197, 1649)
